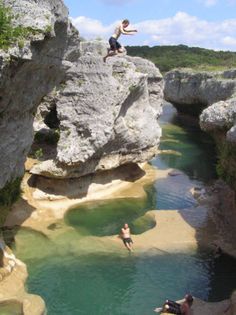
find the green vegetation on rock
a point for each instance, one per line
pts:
(8, 195)
(167, 58)
(49, 138)
(226, 166)
(10, 34)
(10, 192)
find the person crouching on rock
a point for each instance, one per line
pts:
(176, 308)
(115, 46)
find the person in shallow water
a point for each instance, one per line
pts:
(177, 308)
(115, 46)
(125, 235)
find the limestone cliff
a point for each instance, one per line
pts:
(28, 73)
(105, 113)
(212, 96)
(192, 91)
(220, 120)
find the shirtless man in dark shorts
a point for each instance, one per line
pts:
(115, 46)
(125, 235)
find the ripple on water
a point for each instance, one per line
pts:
(173, 192)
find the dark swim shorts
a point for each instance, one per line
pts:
(174, 308)
(114, 44)
(127, 240)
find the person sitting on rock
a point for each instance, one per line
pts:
(177, 308)
(115, 46)
(126, 237)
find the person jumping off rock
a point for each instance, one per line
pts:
(115, 46)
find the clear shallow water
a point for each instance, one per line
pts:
(10, 309)
(181, 133)
(107, 217)
(79, 275)
(194, 157)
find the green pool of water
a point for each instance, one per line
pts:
(77, 273)
(107, 217)
(114, 284)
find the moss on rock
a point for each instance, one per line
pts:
(8, 195)
(226, 166)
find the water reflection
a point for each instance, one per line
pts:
(181, 133)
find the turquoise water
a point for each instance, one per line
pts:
(78, 273)
(114, 284)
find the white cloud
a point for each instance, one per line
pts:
(229, 41)
(181, 28)
(90, 28)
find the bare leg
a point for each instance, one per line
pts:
(129, 246)
(121, 50)
(110, 54)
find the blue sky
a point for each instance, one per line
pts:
(203, 23)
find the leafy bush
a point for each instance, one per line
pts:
(10, 193)
(38, 153)
(49, 138)
(226, 166)
(10, 34)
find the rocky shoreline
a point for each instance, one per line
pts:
(88, 124)
(175, 231)
(211, 97)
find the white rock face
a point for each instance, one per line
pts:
(27, 74)
(108, 114)
(193, 91)
(221, 116)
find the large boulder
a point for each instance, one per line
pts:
(107, 114)
(221, 116)
(192, 91)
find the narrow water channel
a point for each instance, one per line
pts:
(76, 277)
